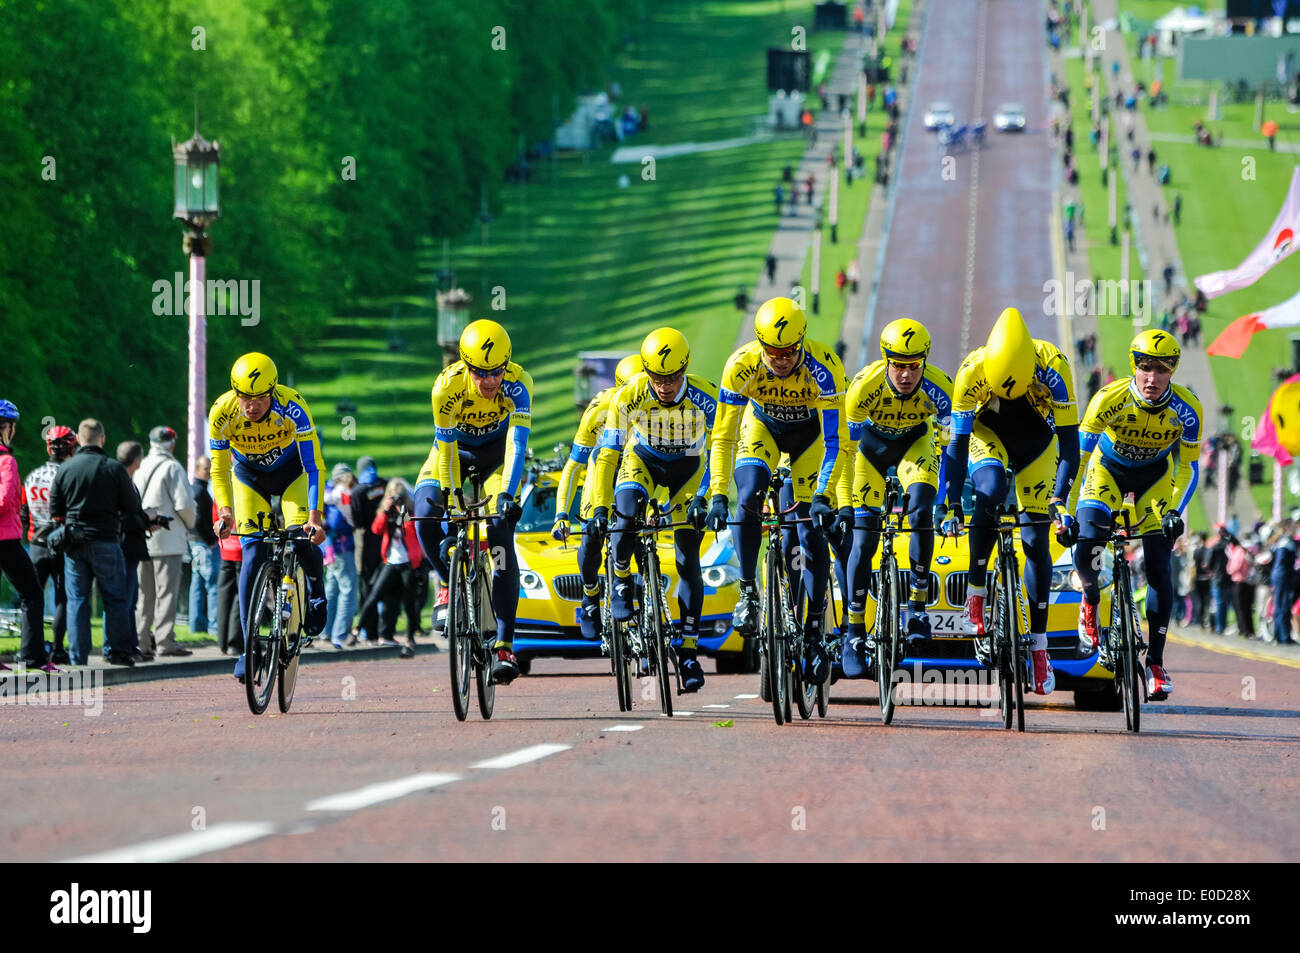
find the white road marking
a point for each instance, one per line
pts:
(182, 846)
(522, 756)
(747, 696)
(715, 706)
(683, 714)
(623, 728)
(383, 791)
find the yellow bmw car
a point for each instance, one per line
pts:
(550, 585)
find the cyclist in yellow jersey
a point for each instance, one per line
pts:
(482, 413)
(781, 393)
(661, 422)
(891, 408)
(263, 444)
(590, 430)
(1013, 407)
(1141, 435)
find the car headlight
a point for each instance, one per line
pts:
(1063, 580)
(718, 576)
(531, 581)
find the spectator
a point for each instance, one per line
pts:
(93, 496)
(808, 188)
(14, 561)
(60, 443)
(1202, 575)
(1094, 381)
(402, 557)
(366, 496)
(1136, 155)
(780, 198)
(135, 551)
(741, 301)
(840, 280)
(770, 265)
(1069, 233)
(340, 556)
(1240, 565)
(230, 632)
(1168, 274)
(205, 554)
(854, 276)
(163, 487)
(1178, 209)
(1282, 579)
(1220, 580)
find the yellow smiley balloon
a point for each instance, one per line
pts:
(1285, 413)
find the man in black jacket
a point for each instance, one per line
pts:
(93, 496)
(366, 497)
(1220, 582)
(135, 550)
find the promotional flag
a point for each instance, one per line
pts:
(1277, 244)
(1233, 339)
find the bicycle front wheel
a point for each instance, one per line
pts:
(887, 637)
(1127, 669)
(460, 635)
(262, 641)
(1001, 649)
(658, 632)
(1019, 659)
(774, 643)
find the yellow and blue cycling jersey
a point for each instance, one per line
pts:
(880, 417)
(1049, 402)
(461, 416)
(637, 423)
(283, 443)
(585, 440)
(1122, 435)
(810, 396)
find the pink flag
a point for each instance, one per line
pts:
(1277, 244)
(1233, 339)
(1266, 437)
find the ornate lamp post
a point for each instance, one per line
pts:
(197, 163)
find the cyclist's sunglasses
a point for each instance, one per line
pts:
(1150, 365)
(665, 379)
(495, 372)
(906, 365)
(240, 393)
(790, 351)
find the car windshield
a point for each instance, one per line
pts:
(539, 510)
(1013, 109)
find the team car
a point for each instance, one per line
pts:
(1010, 117)
(939, 115)
(550, 586)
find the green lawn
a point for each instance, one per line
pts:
(1230, 196)
(583, 263)
(11, 644)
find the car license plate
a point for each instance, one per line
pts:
(947, 625)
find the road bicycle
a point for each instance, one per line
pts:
(781, 646)
(274, 641)
(1123, 641)
(644, 643)
(1009, 644)
(471, 628)
(888, 631)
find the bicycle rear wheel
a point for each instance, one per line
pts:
(1001, 650)
(887, 637)
(658, 649)
(805, 692)
(262, 641)
(287, 679)
(622, 677)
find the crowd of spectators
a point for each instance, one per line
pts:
(140, 529)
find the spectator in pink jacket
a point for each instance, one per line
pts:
(14, 562)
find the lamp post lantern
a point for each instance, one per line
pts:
(197, 162)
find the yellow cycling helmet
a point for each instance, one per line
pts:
(780, 323)
(485, 346)
(905, 340)
(1156, 346)
(627, 369)
(1009, 356)
(665, 352)
(253, 375)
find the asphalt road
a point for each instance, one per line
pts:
(970, 229)
(180, 770)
